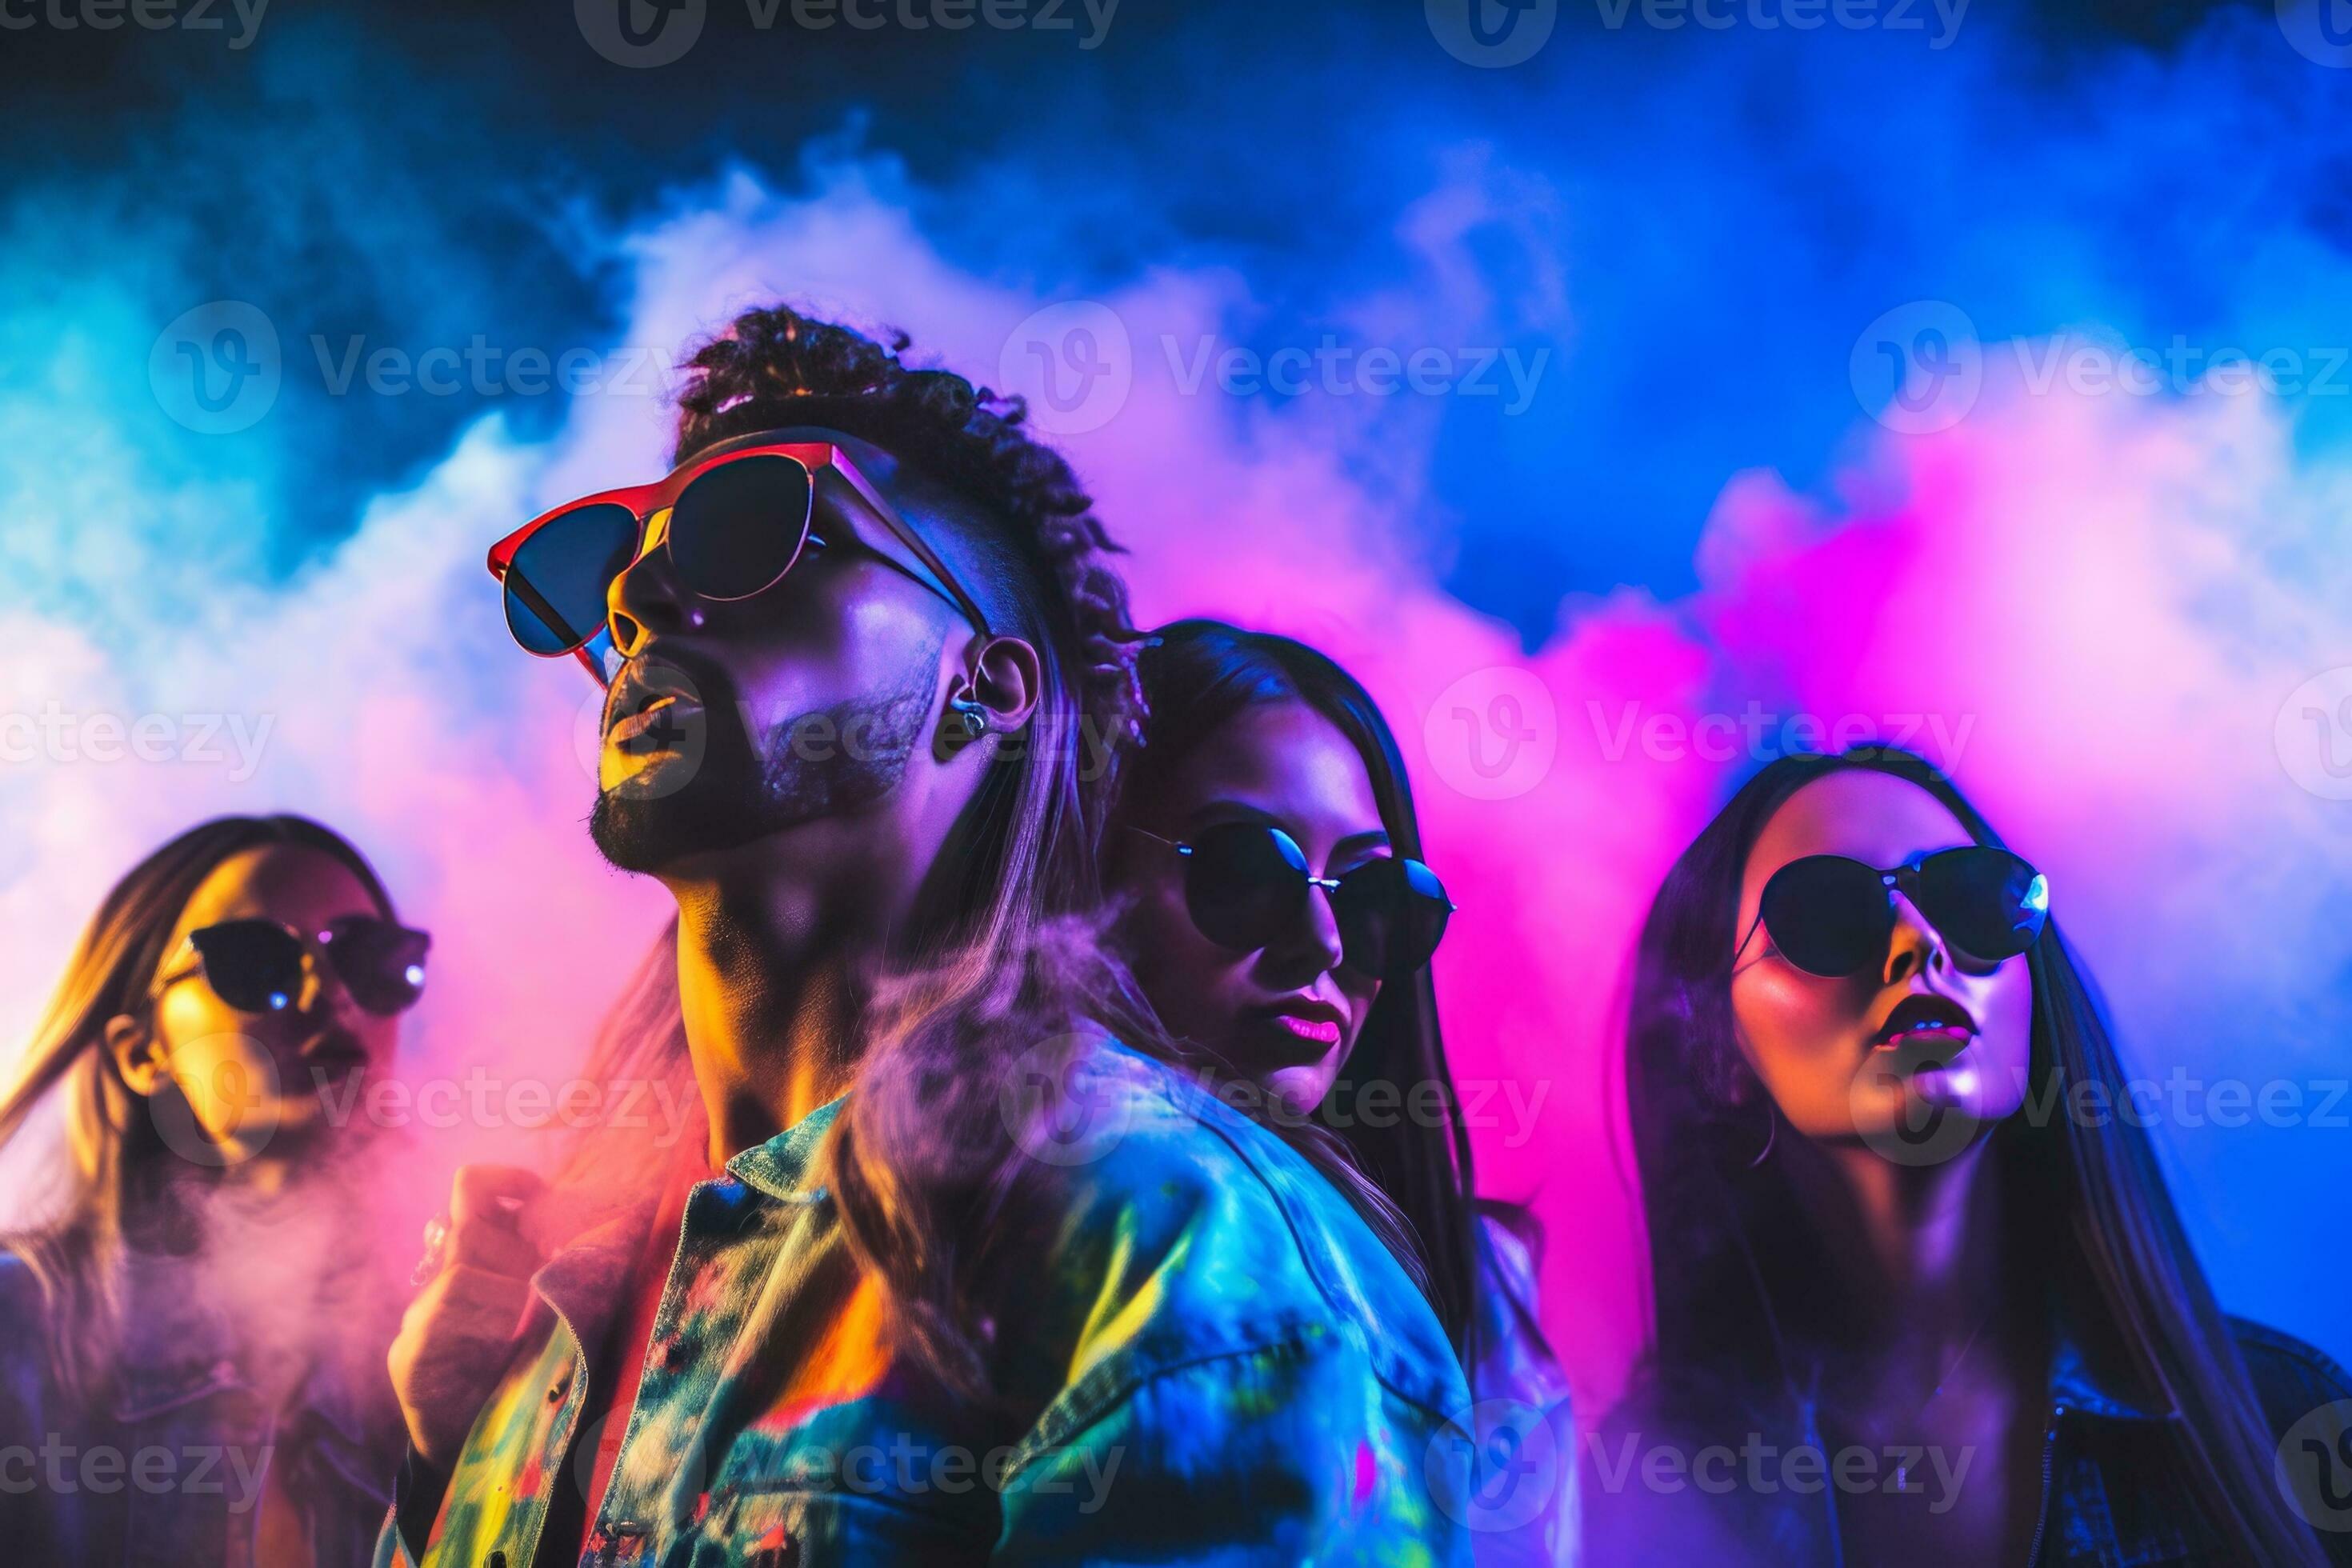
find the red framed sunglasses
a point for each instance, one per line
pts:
(735, 519)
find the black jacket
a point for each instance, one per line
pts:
(2109, 1497)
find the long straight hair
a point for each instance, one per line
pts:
(117, 1167)
(1737, 1271)
(1196, 676)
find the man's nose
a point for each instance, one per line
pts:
(647, 599)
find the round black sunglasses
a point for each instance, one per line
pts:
(1831, 916)
(1246, 883)
(255, 965)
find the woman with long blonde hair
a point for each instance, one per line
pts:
(191, 1334)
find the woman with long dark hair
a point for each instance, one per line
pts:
(191, 1331)
(1920, 1292)
(1266, 773)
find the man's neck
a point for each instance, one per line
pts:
(773, 984)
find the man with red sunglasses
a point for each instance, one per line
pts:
(955, 1278)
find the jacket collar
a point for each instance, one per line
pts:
(2080, 1382)
(781, 1167)
(587, 1280)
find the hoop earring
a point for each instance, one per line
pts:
(1771, 1131)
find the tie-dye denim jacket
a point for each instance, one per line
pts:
(1217, 1362)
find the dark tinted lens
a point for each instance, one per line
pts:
(738, 528)
(1828, 915)
(1392, 916)
(1986, 901)
(379, 963)
(555, 586)
(255, 967)
(1243, 884)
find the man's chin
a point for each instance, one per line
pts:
(650, 835)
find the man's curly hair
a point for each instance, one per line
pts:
(775, 367)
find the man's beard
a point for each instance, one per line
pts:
(832, 762)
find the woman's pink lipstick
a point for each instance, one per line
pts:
(1313, 1026)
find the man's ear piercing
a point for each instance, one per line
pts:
(966, 721)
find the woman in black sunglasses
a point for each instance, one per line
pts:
(193, 1325)
(1921, 1294)
(1277, 914)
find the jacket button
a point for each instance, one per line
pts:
(555, 1395)
(496, 1560)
